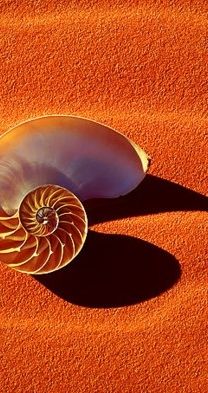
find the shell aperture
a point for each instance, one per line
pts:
(48, 167)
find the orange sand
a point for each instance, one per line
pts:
(130, 314)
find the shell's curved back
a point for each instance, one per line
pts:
(88, 158)
(46, 233)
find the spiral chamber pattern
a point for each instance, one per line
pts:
(46, 233)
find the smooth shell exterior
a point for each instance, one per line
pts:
(89, 159)
(41, 245)
(46, 164)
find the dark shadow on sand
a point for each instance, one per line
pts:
(114, 271)
(153, 195)
(117, 270)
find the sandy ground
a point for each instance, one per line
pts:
(130, 314)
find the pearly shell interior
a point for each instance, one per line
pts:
(48, 167)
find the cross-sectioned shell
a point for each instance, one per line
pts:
(48, 167)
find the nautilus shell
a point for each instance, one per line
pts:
(49, 166)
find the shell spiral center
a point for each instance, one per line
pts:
(46, 233)
(47, 217)
(37, 214)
